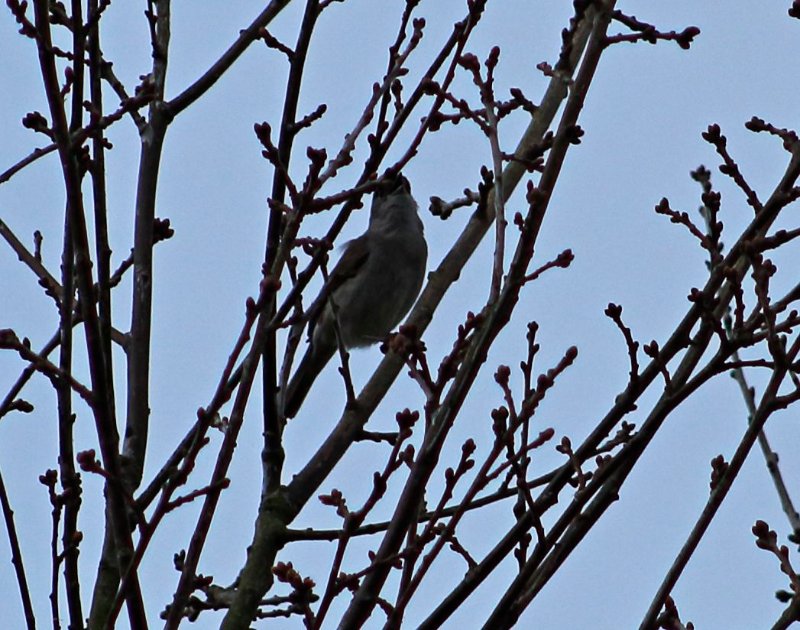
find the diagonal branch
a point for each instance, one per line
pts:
(765, 409)
(215, 72)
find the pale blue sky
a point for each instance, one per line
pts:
(643, 120)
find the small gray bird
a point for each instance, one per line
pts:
(374, 285)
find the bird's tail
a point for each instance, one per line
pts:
(313, 361)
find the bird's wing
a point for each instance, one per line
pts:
(355, 255)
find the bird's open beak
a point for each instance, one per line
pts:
(401, 185)
(394, 186)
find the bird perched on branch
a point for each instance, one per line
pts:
(370, 289)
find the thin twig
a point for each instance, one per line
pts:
(16, 557)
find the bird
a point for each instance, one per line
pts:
(372, 287)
